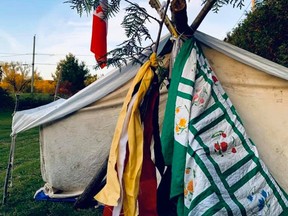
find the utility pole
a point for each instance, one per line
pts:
(33, 59)
(1, 72)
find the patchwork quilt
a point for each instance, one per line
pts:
(216, 169)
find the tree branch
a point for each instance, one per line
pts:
(156, 5)
(161, 26)
(148, 15)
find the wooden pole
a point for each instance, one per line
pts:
(8, 177)
(161, 26)
(33, 60)
(157, 5)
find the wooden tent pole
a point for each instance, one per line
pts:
(179, 14)
(157, 5)
(161, 26)
(8, 177)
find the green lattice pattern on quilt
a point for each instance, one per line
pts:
(216, 169)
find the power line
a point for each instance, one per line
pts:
(39, 54)
(61, 54)
(56, 64)
(241, 15)
(14, 54)
(51, 64)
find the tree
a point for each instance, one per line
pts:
(72, 73)
(14, 77)
(45, 86)
(264, 31)
(90, 79)
(136, 18)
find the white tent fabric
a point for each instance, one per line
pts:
(24, 120)
(243, 56)
(76, 133)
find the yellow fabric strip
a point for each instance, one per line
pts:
(110, 194)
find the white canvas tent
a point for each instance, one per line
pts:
(75, 134)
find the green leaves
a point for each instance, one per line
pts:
(82, 5)
(127, 51)
(220, 3)
(72, 73)
(136, 32)
(134, 23)
(111, 9)
(264, 31)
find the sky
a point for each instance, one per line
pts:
(59, 30)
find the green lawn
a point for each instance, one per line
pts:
(26, 176)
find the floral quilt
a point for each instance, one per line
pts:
(216, 169)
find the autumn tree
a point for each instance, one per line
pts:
(90, 79)
(14, 77)
(71, 75)
(45, 86)
(264, 31)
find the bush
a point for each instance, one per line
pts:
(28, 100)
(264, 31)
(6, 101)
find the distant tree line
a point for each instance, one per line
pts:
(15, 79)
(70, 76)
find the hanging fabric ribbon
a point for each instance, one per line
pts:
(99, 34)
(122, 187)
(215, 166)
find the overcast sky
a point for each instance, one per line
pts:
(60, 30)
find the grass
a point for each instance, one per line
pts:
(27, 177)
